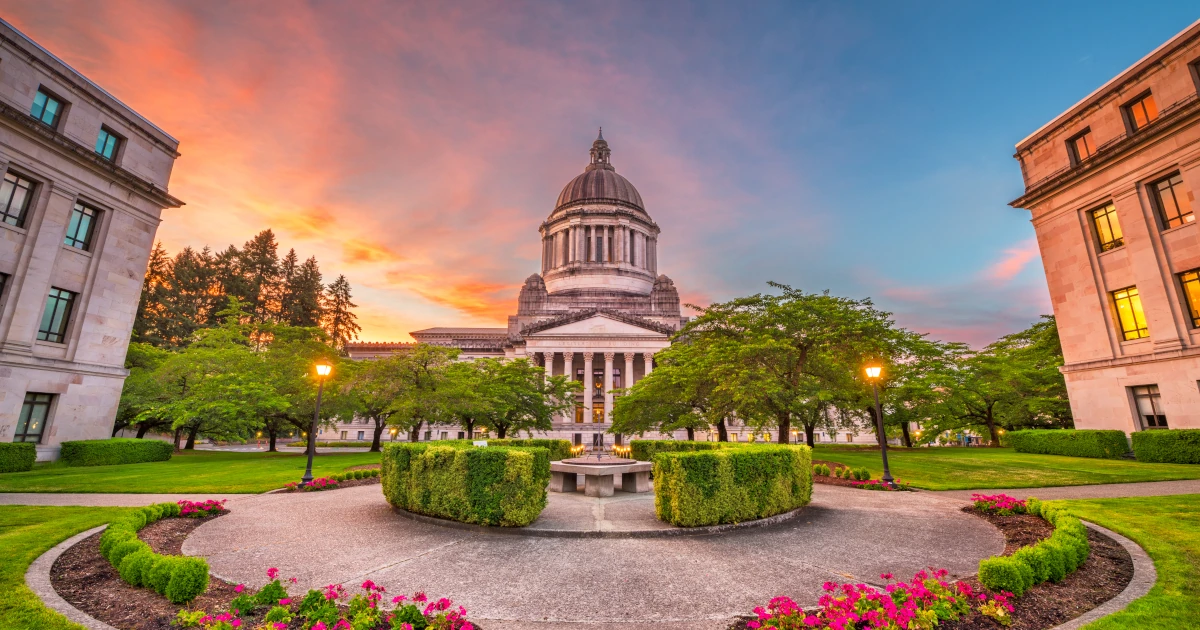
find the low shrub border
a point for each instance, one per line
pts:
(114, 451)
(730, 485)
(559, 449)
(17, 456)
(1097, 443)
(178, 578)
(1167, 446)
(497, 485)
(1051, 559)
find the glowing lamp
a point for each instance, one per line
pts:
(323, 369)
(873, 370)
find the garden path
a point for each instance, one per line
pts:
(106, 500)
(1103, 491)
(519, 581)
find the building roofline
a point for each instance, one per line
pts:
(1154, 55)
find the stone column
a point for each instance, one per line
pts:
(608, 379)
(587, 386)
(548, 363)
(649, 358)
(46, 226)
(627, 377)
(569, 372)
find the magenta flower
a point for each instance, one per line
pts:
(239, 588)
(272, 572)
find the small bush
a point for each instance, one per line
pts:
(17, 456)
(1056, 560)
(1103, 444)
(114, 451)
(1171, 446)
(709, 487)
(821, 469)
(178, 578)
(1005, 573)
(159, 574)
(189, 578)
(862, 474)
(1037, 558)
(120, 551)
(134, 566)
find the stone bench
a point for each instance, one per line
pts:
(598, 478)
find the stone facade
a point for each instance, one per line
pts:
(1116, 156)
(61, 159)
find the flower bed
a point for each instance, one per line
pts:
(1051, 559)
(330, 608)
(178, 578)
(201, 509)
(1001, 504)
(877, 484)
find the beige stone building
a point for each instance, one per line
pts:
(85, 180)
(1111, 184)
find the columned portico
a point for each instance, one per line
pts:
(627, 377)
(587, 386)
(649, 358)
(608, 381)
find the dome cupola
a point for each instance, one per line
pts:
(600, 182)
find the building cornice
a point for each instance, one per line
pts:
(1137, 359)
(88, 157)
(579, 316)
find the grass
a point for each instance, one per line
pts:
(971, 468)
(210, 472)
(25, 534)
(1168, 528)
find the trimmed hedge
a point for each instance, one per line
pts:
(1051, 559)
(645, 450)
(1171, 446)
(559, 449)
(114, 451)
(1102, 444)
(730, 485)
(178, 578)
(497, 485)
(17, 456)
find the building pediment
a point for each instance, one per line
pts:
(596, 322)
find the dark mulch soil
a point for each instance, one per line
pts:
(1106, 573)
(349, 483)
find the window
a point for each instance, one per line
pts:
(579, 414)
(1108, 228)
(462, 434)
(46, 108)
(1080, 147)
(577, 439)
(1191, 293)
(15, 193)
(107, 143)
(360, 435)
(83, 224)
(597, 413)
(599, 248)
(343, 435)
(56, 316)
(1141, 112)
(1171, 202)
(32, 422)
(1149, 407)
(1130, 317)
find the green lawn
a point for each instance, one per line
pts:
(25, 534)
(1168, 528)
(208, 472)
(970, 468)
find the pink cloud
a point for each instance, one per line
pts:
(1014, 261)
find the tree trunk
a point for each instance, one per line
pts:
(785, 428)
(143, 428)
(470, 428)
(691, 434)
(178, 436)
(191, 441)
(809, 429)
(375, 447)
(414, 434)
(722, 432)
(991, 425)
(271, 435)
(907, 437)
(501, 431)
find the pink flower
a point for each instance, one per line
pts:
(272, 572)
(420, 597)
(399, 598)
(279, 626)
(292, 580)
(320, 625)
(284, 602)
(239, 588)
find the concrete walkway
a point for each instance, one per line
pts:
(108, 500)
(515, 581)
(1103, 491)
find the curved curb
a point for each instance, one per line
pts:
(1143, 580)
(708, 530)
(38, 580)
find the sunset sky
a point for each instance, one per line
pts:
(865, 148)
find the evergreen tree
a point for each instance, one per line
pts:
(258, 266)
(289, 266)
(193, 284)
(304, 293)
(153, 314)
(339, 321)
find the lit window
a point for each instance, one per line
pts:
(56, 316)
(1130, 317)
(1108, 228)
(597, 413)
(32, 422)
(1141, 112)
(1171, 202)
(107, 143)
(1191, 292)
(83, 224)
(15, 193)
(1081, 147)
(1149, 407)
(579, 414)
(46, 108)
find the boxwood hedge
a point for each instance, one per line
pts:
(1173, 446)
(730, 485)
(497, 485)
(17, 456)
(1103, 444)
(1050, 559)
(114, 451)
(559, 449)
(644, 450)
(178, 578)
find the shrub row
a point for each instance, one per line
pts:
(17, 456)
(1173, 446)
(730, 485)
(645, 450)
(496, 485)
(178, 578)
(559, 449)
(1103, 444)
(1051, 559)
(349, 475)
(115, 451)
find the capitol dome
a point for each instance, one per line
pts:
(600, 182)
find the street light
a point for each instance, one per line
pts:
(323, 370)
(874, 370)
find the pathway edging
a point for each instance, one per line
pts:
(1144, 577)
(38, 580)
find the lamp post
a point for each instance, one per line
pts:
(323, 370)
(873, 372)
